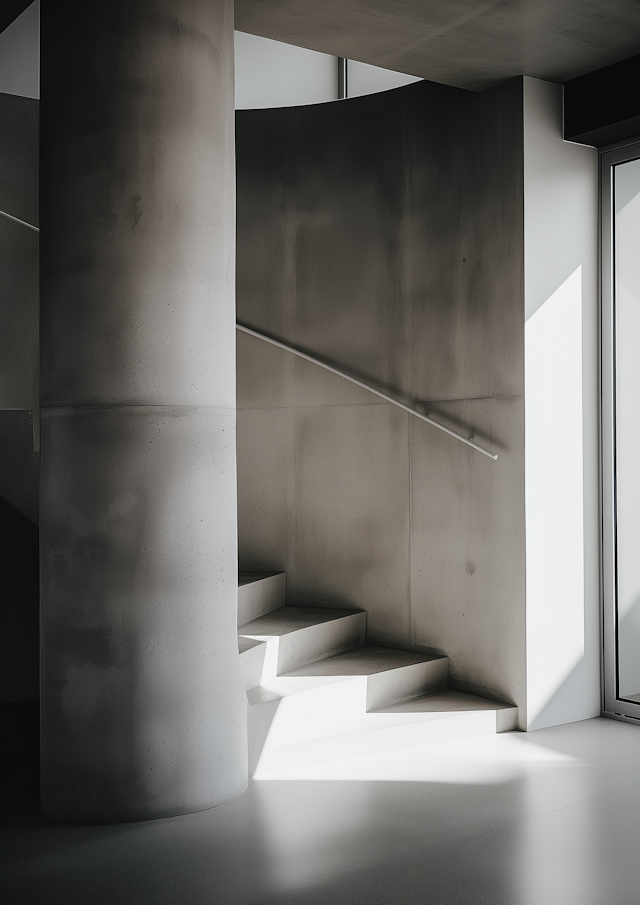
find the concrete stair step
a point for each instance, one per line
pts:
(290, 711)
(392, 675)
(450, 703)
(318, 696)
(259, 593)
(300, 635)
(252, 656)
(423, 721)
(332, 696)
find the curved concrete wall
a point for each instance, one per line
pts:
(19, 461)
(385, 234)
(143, 713)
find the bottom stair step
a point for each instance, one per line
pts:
(423, 721)
(252, 655)
(452, 702)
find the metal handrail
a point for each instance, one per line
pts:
(21, 222)
(365, 386)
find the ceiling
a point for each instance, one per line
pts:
(468, 43)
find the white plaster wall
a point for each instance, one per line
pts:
(561, 420)
(274, 74)
(366, 79)
(20, 54)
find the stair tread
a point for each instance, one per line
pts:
(291, 619)
(245, 644)
(287, 687)
(362, 661)
(245, 578)
(448, 701)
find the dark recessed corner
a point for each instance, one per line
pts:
(603, 107)
(10, 10)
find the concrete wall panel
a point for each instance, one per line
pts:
(352, 514)
(19, 463)
(385, 234)
(266, 523)
(467, 553)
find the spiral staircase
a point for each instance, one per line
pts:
(319, 694)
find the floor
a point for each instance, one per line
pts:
(548, 817)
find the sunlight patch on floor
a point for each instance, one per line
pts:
(487, 759)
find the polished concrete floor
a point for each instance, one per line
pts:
(548, 818)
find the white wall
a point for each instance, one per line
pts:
(273, 74)
(561, 404)
(20, 54)
(365, 79)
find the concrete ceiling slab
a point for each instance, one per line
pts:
(467, 43)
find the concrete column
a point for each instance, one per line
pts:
(143, 712)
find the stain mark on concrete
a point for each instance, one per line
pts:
(135, 211)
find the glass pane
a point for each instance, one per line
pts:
(626, 186)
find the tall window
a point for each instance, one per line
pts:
(620, 180)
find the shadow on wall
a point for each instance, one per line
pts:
(19, 248)
(553, 711)
(19, 657)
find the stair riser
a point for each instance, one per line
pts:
(261, 597)
(259, 720)
(377, 741)
(318, 642)
(251, 666)
(317, 712)
(314, 642)
(507, 719)
(393, 685)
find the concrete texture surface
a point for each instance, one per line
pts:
(467, 557)
(148, 184)
(143, 712)
(19, 462)
(463, 43)
(385, 234)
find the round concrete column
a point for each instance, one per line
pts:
(143, 711)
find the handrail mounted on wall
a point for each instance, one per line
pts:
(322, 364)
(21, 222)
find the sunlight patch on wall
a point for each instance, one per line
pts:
(554, 494)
